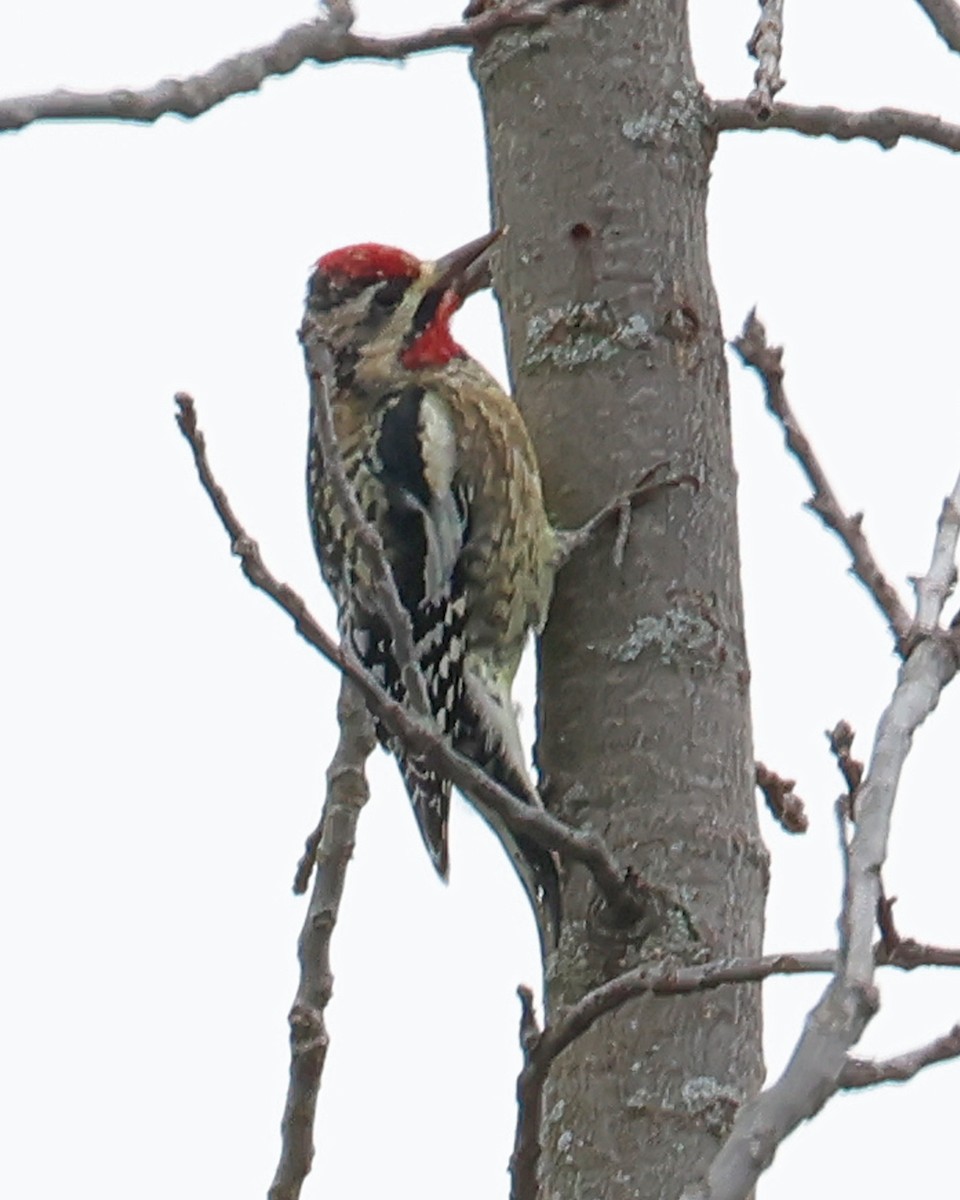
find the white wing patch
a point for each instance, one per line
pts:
(438, 441)
(443, 524)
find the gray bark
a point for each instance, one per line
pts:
(599, 160)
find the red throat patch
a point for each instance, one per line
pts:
(435, 346)
(369, 260)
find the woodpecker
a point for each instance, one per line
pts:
(444, 469)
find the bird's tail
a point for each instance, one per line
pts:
(430, 796)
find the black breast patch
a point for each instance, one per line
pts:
(400, 448)
(399, 455)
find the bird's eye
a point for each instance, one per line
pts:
(388, 296)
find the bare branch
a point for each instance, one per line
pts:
(525, 1158)
(885, 126)
(661, 979)
(862, 1073)
(945, 17)
(324, 40)
(347, 792)
(767, 361)
(850, 1000)
(666, 979)
(629, 900)
(937, 585)
(766, 46)
(785, 806)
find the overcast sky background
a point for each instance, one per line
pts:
(165, 733)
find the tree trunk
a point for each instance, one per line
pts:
(599, 160)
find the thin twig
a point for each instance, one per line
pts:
(347, 792)
(785, 805)
(885, 126)
(627, 898)
(767, 361)
(766, 46)
(945, 16)
(666, 979)
(324, 40)
(648, 486)
(248, 552)
(862, 1073)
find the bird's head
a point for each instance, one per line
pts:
(379, 307)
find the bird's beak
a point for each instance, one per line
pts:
(453, 270)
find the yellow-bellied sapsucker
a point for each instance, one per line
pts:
(443, 467)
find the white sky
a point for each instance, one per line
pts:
(164, 731)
